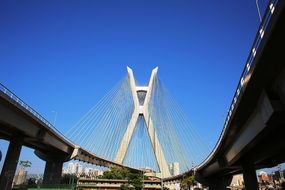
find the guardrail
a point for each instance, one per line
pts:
(247, 71)
(24, 105)
(249, 66)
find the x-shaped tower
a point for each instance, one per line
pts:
(141, 109)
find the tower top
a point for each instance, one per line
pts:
(153, 70)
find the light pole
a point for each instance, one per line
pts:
(55, 115)
(143, 179)
(259, 15)
(280, 172)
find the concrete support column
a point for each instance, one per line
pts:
(10, 164)
(52, 173)
(220, 183)
(53, 168)
(249, 177)
(214, 182)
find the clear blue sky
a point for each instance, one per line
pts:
(65, 55)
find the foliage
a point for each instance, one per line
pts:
(69, 179)
(115, 173)
(25, 164)
(125, 187)
(187, 182)
(135, 180)
(145, 177)
(165, 188)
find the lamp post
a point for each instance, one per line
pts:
(259, 15)
(55, 115)
(142, 179)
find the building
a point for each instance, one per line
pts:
(174, 168)
(263, 177)
(113, 184)
(71, 168)
(20, 178)
(237, 181)
(79, 170)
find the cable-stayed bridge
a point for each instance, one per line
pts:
(142, 127)
(136, 127)
(252, 138)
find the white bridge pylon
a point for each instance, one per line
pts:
(141, 108)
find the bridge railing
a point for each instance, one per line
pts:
(249, 66)
(248, 69)
(24, 105)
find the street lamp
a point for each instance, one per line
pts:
(280, 172)
(258, 10)
(142, 179)
(55, 115)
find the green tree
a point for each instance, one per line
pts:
(125, 187)
(187, 182)
(69, 179)
(165, 188)
(115, 173)
(25, 164)
(135, 180)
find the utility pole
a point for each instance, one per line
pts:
(280, 172)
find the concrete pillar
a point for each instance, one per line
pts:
(52, 173)
(219, 183)
(214, 182)
(53, 168)
(10, 164)
(249, 177)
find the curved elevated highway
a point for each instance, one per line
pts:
(21, 125)
(253, 136)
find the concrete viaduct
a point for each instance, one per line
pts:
(253, 136)
(21, 125)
